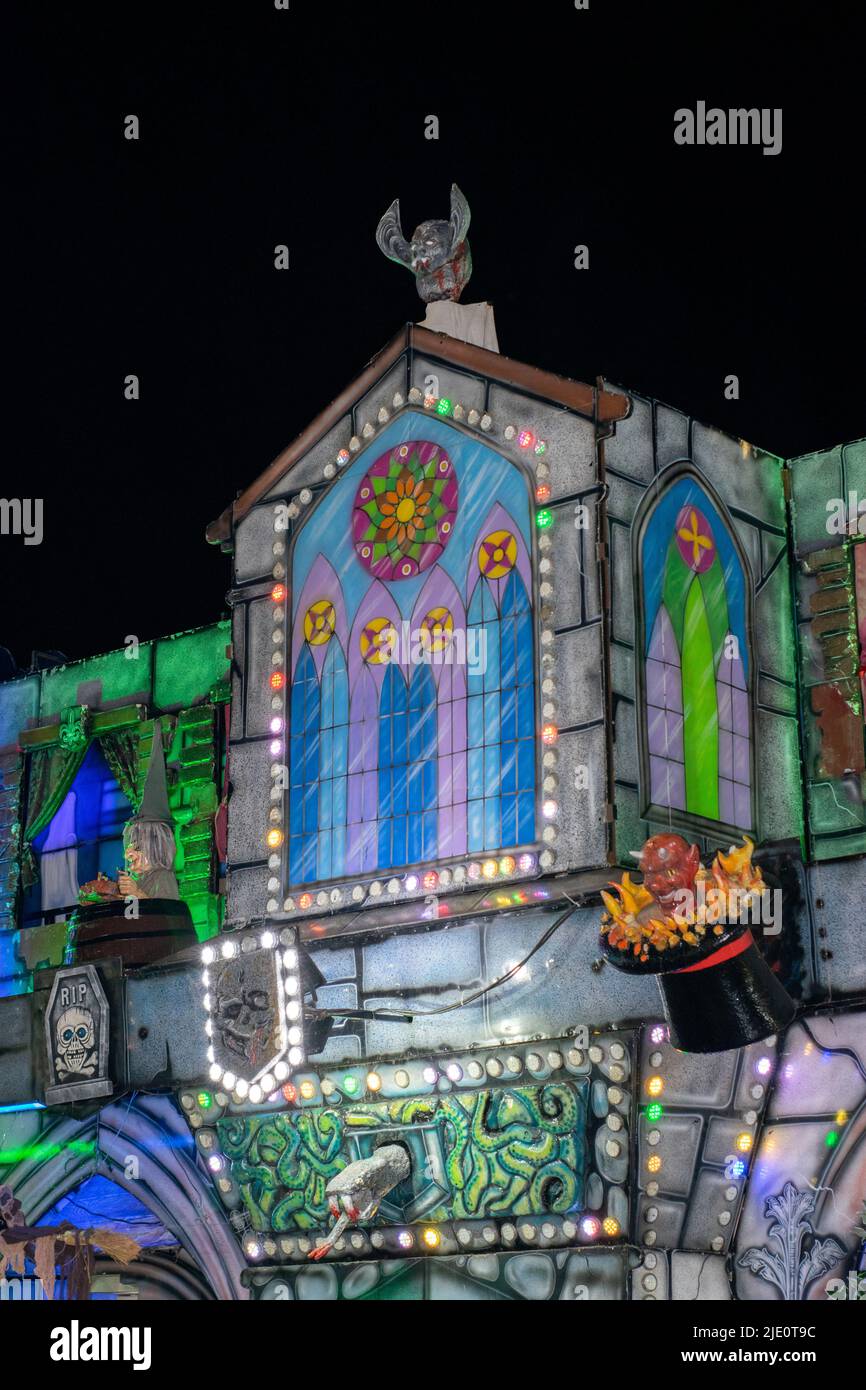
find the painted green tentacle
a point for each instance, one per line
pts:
(557, 1170)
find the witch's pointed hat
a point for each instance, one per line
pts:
(154, 799)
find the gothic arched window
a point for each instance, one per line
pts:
(333, 763)
(412, 732)
(694, 667)
(304, 771)
(500, 769)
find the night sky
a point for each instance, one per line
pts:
(261, 127)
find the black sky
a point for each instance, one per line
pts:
(261, 127)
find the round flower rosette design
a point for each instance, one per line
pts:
(404, 510)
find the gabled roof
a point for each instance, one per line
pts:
(594, 402)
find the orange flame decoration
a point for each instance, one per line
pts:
(723, 895)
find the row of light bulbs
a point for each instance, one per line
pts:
(654, 1087)
(431, 1239)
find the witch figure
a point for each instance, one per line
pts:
(148, 839)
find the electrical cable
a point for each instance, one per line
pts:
(395, 1016)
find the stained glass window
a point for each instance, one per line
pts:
(304, 770)
(333, 764)
(693, 590)
(393, 808)
(412, 715)
(422, 843)
(363, 779)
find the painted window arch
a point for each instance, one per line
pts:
(694, 595)
(304, 714)
(423, 611)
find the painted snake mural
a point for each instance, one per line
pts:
(517, 1151)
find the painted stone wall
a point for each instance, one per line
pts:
(828, 509)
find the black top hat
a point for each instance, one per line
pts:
(718, 994)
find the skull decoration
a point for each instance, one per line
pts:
(243, 1014)
(438, 254)
(75, 1034)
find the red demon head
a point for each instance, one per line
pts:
(669, 866)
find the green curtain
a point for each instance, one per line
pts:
(122, 755)
(52, 772)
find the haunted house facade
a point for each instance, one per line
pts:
(491, 630)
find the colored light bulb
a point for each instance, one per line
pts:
(278, 680)
(544, 519)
